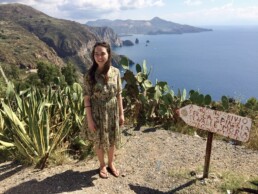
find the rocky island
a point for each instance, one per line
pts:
(152, 27)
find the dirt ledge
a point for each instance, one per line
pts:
(150, 161)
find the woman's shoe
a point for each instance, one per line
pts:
(103, 173)
(113, 171)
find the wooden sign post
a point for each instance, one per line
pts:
(213, 121)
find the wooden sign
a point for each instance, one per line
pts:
(226, 124)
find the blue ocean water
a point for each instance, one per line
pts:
(220, 62)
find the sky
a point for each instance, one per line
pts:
(191, 12)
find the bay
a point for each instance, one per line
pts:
(220, 62)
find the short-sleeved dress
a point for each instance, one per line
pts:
(104, 109)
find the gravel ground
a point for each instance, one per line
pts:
(151, 160)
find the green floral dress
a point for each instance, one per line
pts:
(104, 109)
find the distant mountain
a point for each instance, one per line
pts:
(154, 26)
(28, 36)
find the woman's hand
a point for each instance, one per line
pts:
(92, 126)
(121, 120)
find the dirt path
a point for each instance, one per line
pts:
(151, 161)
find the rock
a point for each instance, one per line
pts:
(128, 43)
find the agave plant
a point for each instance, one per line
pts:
(5, 142)
(37, 125)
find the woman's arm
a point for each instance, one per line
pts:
(87, 106)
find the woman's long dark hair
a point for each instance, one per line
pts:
(94, 66)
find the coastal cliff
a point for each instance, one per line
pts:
(28, 36)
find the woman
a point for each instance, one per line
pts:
(104, 107)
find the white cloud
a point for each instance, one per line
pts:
(230, 12)
(91, 4)
(112, 4)
(85, 9)
(89, 9)
(250, 13)
(209, 11)
(226, 14)
(193, 2)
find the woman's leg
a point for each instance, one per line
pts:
(111, 153)
(103, 170)
(100, 154)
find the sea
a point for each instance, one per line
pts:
(221, 62)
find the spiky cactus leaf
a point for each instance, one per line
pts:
(207, 100)
(124, 62)
(138, 68)
(6, 144)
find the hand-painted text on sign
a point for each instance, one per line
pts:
(226, 124)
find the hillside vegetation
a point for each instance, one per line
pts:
(37, 36)
(21, 48)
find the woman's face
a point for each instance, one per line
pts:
(100, 56)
